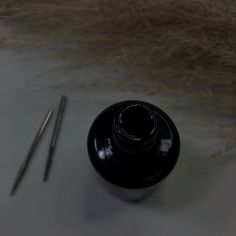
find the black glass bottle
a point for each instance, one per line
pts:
(133, 145)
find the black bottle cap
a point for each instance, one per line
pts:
(133, 144)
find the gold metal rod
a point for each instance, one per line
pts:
(33, 147)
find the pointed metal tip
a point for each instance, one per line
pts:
(45, 178)
(12, 191)
(48, 165)
(14, 187)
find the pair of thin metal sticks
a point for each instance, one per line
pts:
(35, 143)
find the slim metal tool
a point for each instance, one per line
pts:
(55, 136)
(29, 155)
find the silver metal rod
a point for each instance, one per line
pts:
(34, 145)
(55, 135)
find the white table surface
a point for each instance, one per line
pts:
(198, 198)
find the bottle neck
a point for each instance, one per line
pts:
(135, 129)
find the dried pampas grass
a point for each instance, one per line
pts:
(189, 46)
